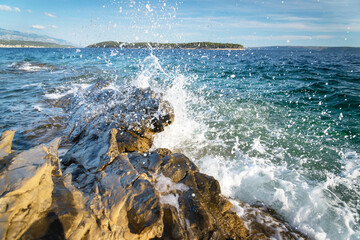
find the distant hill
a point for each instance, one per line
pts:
(22, 36)
(307, 48)
(30, 44)
(193, 45)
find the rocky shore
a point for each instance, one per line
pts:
(110, 184)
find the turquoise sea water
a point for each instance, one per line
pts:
(278, 127)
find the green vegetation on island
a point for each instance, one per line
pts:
(192, 45)
(30, 44)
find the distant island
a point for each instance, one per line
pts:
(308, 48)
(192, 45)
(30, 44)
(17, 39)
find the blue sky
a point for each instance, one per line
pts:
(251, 23)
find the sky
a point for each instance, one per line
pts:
(252, 23)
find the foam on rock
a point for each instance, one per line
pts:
(109, 185)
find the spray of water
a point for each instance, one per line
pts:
(251, 175)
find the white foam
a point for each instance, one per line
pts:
(250, 214)
(165, 185)
(171, 199)
(29, 67)
(64, 90)
(351, 162)
(181, 133)
(37, 108)
(168, 190)
(257, 146)
(312, 207)
(305, 206)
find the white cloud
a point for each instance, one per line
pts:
(5, 8)
(53, 26)
(9, 9)
(50, 15)
(29, 11)
(293, 18)
(38, 27)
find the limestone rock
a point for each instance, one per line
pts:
(109, 184)
(190, 199)
(263, 224)
(136, 114)
(26, 188)
(5, 143)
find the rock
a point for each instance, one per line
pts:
(135, 114)
(5, 143)
(131, 142)
(264, 224)
(109, 184)
(26, 188)
(110, 163)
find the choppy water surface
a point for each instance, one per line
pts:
(275, 127)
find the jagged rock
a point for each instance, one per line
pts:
(25, 189)
(109, 185)
(110, 163)
(190, 198)
(136, 114)
(263, 224)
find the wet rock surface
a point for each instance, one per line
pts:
(109, 184)
(5, 147)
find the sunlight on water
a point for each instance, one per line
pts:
(263, 135)
(262, 170)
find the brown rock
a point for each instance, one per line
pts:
(109, 186)
(130, 142)
(25, 189)
(176, 166)
(5, 143)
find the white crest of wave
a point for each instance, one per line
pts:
(29, 67)
(310, 207)
(65, 90)
(184, 130)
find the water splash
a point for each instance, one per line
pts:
(260, 170)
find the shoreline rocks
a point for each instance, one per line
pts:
(109, 185)
(5, 143)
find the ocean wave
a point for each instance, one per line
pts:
(26, 66)
(287, 142)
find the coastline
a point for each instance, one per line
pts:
(117, 187)
(212, 49)
(28, 46)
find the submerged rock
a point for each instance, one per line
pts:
(109, 184)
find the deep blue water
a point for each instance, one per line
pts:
(280, 127)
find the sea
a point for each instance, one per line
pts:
(277, 127)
